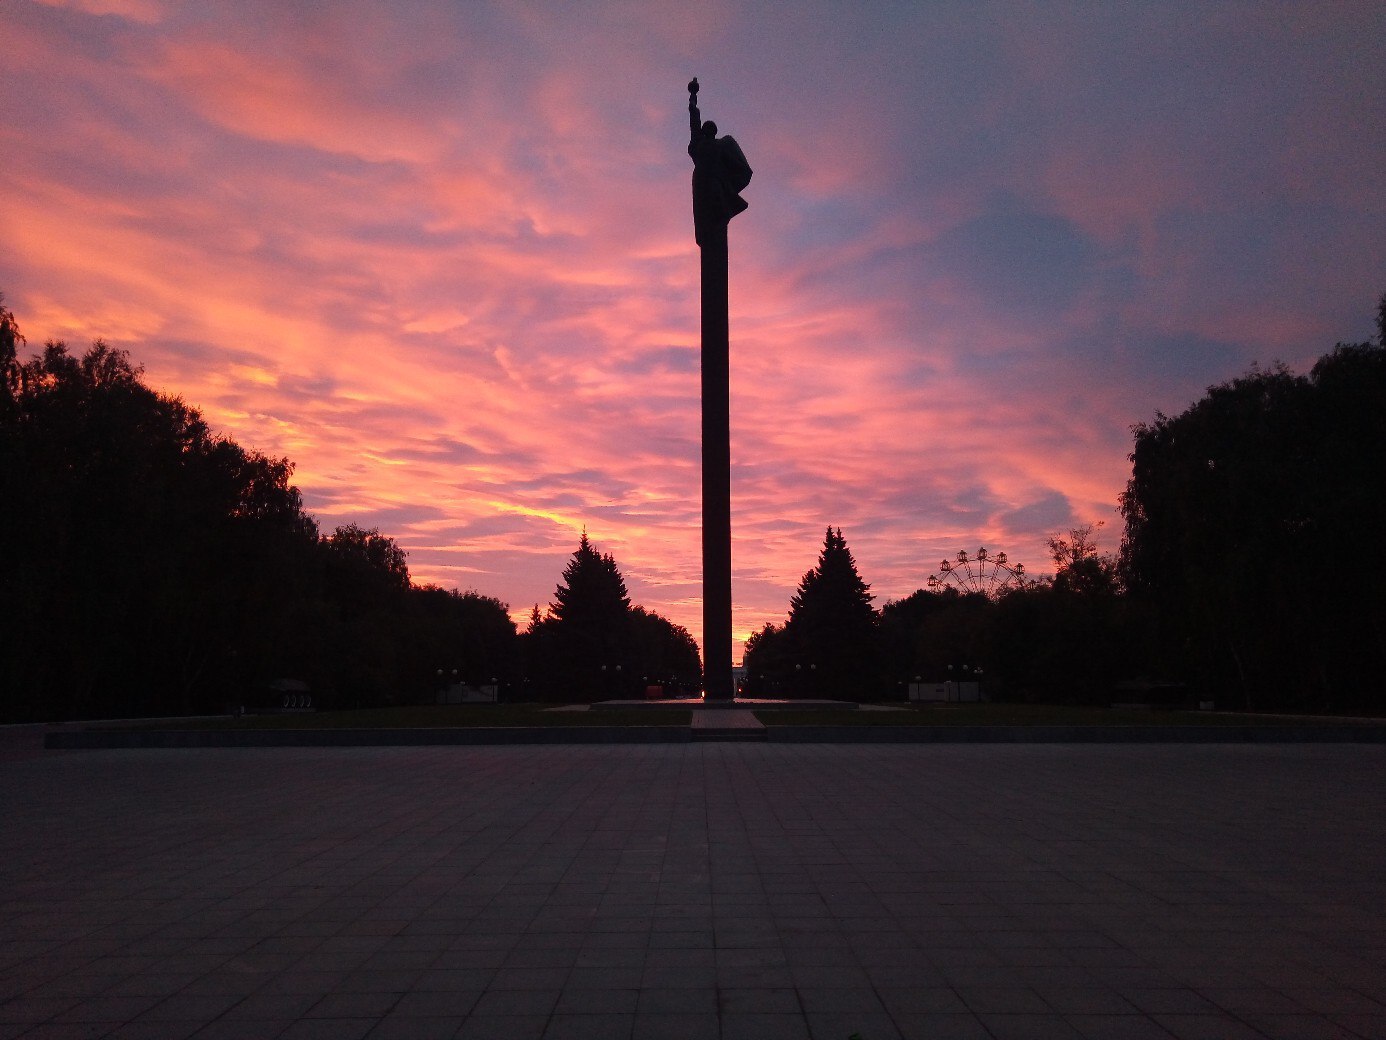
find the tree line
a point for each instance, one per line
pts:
(1063, 638)
(153, 567)
(1245, 573)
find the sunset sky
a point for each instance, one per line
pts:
(441, 255)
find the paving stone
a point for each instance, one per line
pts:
(328, 1029)
(759, 1001)
(353, 1005)
(602, 1026)
(529, 978)
(836, 1025)
(1171, 1001)
(605, 978)
(765, 1027)
(241, 1029)
(682, 1001)
(107, 1009)
(1362, 1025)
(394, 1027)
(1118, 1027)
(942, 1026)
(190, 1008)
(1296, 1027)
(723, 890)
(754, 978)
(1002, 1000)
(678, 1027)
(267, 1007)
(1029, 1027)
(840, 1000)
(512, 1002)
(141, 1030)
(455, 1004)
(679, 978)
(512, 1027)
(921, 1000)
(836, 976)
(584, 1001)
(1207, 1027)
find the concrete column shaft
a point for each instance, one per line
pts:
(716, 378)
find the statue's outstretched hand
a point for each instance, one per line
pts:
(693, 85)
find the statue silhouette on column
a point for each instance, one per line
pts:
(720, 172)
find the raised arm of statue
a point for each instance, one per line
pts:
(695, 119)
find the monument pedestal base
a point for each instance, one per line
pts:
(744, 704)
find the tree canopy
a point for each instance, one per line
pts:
(592, 593)
(829, 639)
(593, 644)
(136, 536)
(154, 567)
(1242, 514)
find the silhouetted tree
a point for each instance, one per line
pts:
(1078, 567)
(583, 650)
(1237, 514)
(958, 638)
(368, 557)
(593, 644)
(663, 653)
(365, 581)
(10, 340)
(769, 663)
(468, 637)
(932, 635)
(1069, 638)
(592, 592)
(143, 538)
(155, 567)
(832, 626)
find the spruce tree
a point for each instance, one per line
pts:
(592, 592)
(832, 626)
(590, 618)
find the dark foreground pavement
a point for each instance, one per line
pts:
(754, 891)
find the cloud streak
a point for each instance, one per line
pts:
(441, 256)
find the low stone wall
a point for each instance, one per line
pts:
(1329, 734)
(221, 738)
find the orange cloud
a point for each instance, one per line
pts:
(441, 256)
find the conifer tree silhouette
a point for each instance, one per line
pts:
(589, 622)
(832, 625)
(592, 592)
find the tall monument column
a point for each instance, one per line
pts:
(716, 365)
(720, 172)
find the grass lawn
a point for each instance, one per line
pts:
(431, 716)
(438, 716)
(1020, 715)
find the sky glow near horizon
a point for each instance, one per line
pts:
(441, 256)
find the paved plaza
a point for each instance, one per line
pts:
(728, 891)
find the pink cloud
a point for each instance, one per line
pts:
(441, 257)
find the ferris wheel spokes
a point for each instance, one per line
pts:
(985, 573)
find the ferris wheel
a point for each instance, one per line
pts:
(991, 575)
